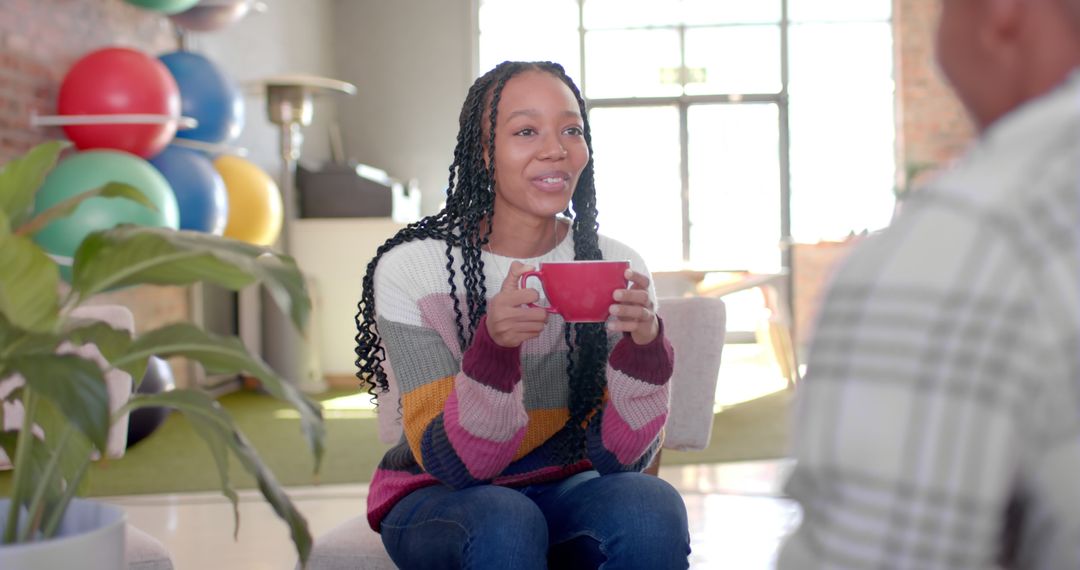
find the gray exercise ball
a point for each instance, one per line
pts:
(143, 421)
(211, 15)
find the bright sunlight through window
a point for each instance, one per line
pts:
(690, 106)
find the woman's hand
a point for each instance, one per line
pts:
(510, 321)
(634, 311)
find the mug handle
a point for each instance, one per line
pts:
(539, 275)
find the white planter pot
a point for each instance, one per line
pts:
(91, 537)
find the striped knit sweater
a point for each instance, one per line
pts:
(495, 415)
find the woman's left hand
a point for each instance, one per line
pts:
(634, 311)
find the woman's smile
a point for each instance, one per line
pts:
(552, 181)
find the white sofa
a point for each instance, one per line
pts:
(694, 325)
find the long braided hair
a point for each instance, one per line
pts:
(461, 225)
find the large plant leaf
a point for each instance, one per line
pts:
(28, 285)
(7, 442)
(111, 342)
(129, 255)
(66, 207)
(74, 385)
(20, 179)
(227, 355)
(73, 454)
(213, 423)
(18, 342)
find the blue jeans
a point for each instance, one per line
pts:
(615, 522)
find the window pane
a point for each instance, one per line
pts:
(839, 10)
(606, 14)
(632, 63)
(704, 12)
(611, 14)
(734, 187)
(502, 38)
(637, 180)
(842, 131)
(543, 14)
(733, 59)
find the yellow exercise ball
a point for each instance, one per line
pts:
(255, 211)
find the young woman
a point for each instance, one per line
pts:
(524, 437)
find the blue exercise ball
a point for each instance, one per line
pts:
(143, 421)
(208, 95)
(200, 191)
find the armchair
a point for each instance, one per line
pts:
(694, 325)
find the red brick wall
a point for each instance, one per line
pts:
(933, 128)
(39, 41)
(814, 264)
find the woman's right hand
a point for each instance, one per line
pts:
(510, 321)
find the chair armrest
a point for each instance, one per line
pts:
(695, 326)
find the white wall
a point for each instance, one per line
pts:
(292, 36)
(337, 281)
(412, 63)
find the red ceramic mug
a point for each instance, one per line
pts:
(580, 291)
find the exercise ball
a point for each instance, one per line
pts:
(207, 95)
(119, 80)
(91, 169)
(210, 16)
(199, 189)
(164, 6)
(255, 210)
(143, 421)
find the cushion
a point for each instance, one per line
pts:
(144, 552)
(351, 545)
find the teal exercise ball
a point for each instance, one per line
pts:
(164, 6)
(92, 169)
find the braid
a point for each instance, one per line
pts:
(469, 207)
(588, 346)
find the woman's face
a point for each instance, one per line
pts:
(540, 147)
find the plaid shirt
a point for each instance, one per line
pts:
(938, 425)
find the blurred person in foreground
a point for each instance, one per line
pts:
(939, 422)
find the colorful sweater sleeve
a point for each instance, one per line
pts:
(463, 427)
(462, 410)
(483, 421)
(626, 433)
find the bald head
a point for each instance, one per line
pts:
(998, 54)
(1072, 7)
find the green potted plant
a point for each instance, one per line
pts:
(64, 395)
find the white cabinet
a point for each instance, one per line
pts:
(334, 253)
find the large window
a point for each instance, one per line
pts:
(730, 126)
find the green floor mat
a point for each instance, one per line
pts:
(174, 460)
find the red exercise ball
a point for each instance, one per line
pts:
(120, 80)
